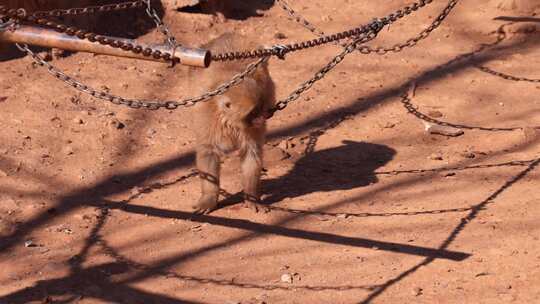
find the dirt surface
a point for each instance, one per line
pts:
(94, 209)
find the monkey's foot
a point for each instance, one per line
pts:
(256, 206)
(206, 204)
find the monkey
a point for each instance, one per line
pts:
(232, 122)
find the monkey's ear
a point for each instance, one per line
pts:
(224, 102)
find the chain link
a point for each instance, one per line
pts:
(138, 103)
(84, 34)
(160, 25)
(380, 50)
(506, 76)
(407, 103)
(282, 104)
(355, 45)
(89, 9)
(333, 38)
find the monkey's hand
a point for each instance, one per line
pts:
(258, 121)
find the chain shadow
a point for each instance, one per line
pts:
(475, 210)
(108, 186)
(345, 167)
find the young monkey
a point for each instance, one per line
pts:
(234, 121)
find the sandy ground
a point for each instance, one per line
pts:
(378, 212)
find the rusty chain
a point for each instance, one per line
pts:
(282, 104)
(355, 45)
(380, 50)
(323, 38)
(139, 103)
(277, 50)
(359, 35)
(90, 9)
(506, 76)
(407, 103)
(160, 25)
(21, 15)
(150, 11)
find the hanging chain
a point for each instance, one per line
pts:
(84, 34)
(160, 25)
(398, 15)
(89, 9)
(138, 103)
(282, 104)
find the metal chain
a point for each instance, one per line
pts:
(282, 104)
(506, 76)
(334, 38)
(407, 103)
(152, 13)
(380, 49)
(363, 49)
(84, 34)
(282, 49)
(160, 25)
(138, 103)
(90, 9)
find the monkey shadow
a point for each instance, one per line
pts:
(238, 10)
(346, 167)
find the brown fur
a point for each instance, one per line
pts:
(232, 122)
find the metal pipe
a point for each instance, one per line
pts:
(52, 39)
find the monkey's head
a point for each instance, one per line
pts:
(241, 103)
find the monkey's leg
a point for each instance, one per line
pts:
(208, 167)
(251, 174)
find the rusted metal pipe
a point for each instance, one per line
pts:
(52, 39)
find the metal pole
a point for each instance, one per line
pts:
(52, 39)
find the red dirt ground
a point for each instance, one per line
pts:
(379, 212)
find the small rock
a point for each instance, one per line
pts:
(342, 215)
(117, 124)
(468, 154)
(151, 132)
(75, 99)
(283, 145)
(29, 243)
(436, 156)
(327, 18)
(449, 174)
(78, 121)
(389, 125)
(68, 150)
(280, 35)
(435, 114)
(3, 98)
(417, 291)
(442, 130)
(286, 278)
